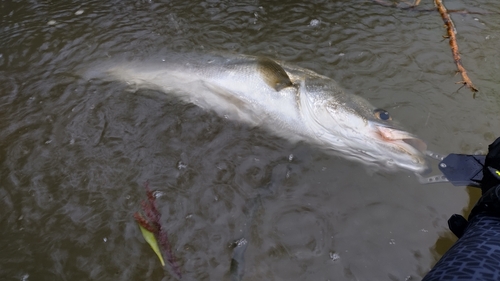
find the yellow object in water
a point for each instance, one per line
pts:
(150, 238)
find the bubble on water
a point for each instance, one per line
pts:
(314, 22)
(479, 152)
(334, 256)
(181, 165)
(105, 239)
(157, 194)
(240, 242)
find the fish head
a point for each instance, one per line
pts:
(352, 126)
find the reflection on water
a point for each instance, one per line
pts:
(75, 153)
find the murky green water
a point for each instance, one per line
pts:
(75, 153)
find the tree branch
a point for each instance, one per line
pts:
(451, 31)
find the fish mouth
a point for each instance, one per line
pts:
(416, 143)
(404, 139)
(410, 150)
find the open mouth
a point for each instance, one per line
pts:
(389, 134)
(407, 144)
(417, 144)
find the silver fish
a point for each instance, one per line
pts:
(289, 101)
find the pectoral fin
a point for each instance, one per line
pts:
(227, 103)
(274, 75)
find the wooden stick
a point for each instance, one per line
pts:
(450, 28)
(417, 2)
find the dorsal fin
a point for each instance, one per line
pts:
(274, 75)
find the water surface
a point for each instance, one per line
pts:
(75, 153)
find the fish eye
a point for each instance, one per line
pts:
(382, 114)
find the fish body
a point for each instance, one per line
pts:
(289, 101)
